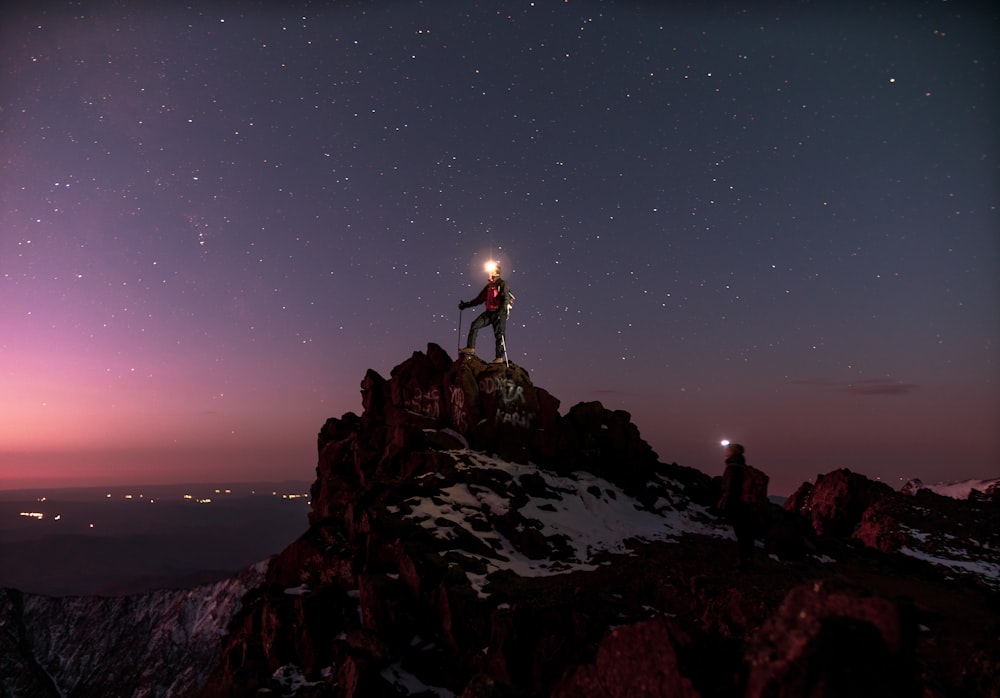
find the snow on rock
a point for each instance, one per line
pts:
(580, 516)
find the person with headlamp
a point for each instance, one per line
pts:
(498, 301)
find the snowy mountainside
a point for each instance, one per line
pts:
(956, 490)
(576, 516)
(579, 517)
(149, 645)
(473, 565)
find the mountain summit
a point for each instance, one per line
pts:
(468, 540)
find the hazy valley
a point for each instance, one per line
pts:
(116, 540)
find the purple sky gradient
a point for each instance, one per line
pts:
(776, 225)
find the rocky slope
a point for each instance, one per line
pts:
(467, 539)
(154, 644)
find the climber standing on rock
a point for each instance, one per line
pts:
(498, 299)
(744, 501)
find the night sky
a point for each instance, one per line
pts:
(776, 225)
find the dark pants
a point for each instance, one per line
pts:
(745, 541)
(745, 527)
(497, 318)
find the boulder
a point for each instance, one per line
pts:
(640, 659)
(836, 502)
(834, 639)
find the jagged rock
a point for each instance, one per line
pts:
(836, 502)
(798, 502)
(635, 660)
(830, 639)
(880, 528)
(606, 443)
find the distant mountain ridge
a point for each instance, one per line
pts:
(154, 644)
(962, 489)
(466, 539)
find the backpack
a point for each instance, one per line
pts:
(754, 492)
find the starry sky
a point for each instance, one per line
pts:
(776, 224)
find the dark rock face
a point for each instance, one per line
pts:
(468, 541)
(835, 504)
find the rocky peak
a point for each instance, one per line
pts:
(467, 540)
(432, 403)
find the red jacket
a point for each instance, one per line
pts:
(495, 295)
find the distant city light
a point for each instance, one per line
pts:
(33, 514)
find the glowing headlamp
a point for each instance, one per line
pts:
(491, 267)
(724, 442)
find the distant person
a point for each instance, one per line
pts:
(498, 299)
(743, 502)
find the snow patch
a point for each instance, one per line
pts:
(987, 571)
(410, 685)
(587, 513)
(291, 680)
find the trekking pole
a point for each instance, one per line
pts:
(503, 337)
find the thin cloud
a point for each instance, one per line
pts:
(880, 386)
(875, 386)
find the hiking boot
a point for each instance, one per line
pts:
(467, 350)
(498, 360)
